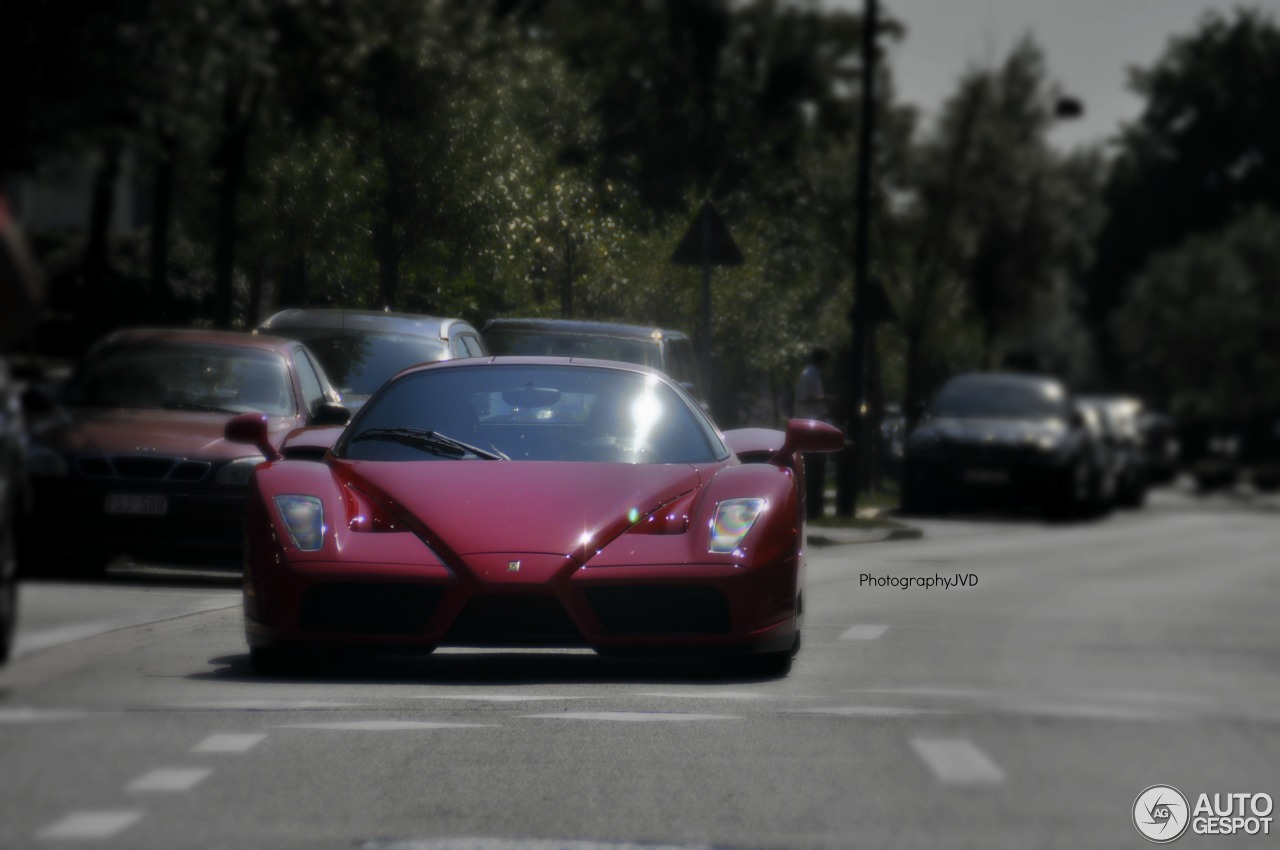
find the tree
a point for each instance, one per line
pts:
(1205, 149)
(1197, 327)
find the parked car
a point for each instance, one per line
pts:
(530, 501)
(1120, 415)
(133, 452)
(999, 438)
(1105, 461)
(665, 350)
(1160, 446)
(361, 349)
(12, 502)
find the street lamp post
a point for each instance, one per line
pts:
(846, 496)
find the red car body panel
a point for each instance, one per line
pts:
(581, 551)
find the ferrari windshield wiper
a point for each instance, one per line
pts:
(431, 441)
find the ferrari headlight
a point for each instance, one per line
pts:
(733, 519)
(44, 462)
(238, 471)
(304, 517)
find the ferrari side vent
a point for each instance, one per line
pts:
(673, 610)
(368, 609)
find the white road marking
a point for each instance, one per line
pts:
(86, 826)
(386, 725)
(237, 743)
(1081, 711)
(169, 779)
(38, 715)
(865, 631)
(27, 642)
(705, 694)
(631, 716)
(264, 705)
(871, 711)
(515, 844)
(956, 761)
(500, 697)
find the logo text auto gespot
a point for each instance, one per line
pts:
(1228, 814)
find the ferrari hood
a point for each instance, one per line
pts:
(567, 509)
(180, 433)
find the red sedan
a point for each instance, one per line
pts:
(530, 502)
(133, 458)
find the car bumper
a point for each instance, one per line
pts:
(988, 480)
(195, 527)
(647, 609)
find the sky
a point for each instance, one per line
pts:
(1090, 45)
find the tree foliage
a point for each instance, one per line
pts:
(1199, 324)
(1205, 149)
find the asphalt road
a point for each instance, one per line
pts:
(1088, 663)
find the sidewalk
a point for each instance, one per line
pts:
(880, 528)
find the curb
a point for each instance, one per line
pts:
(845, 537)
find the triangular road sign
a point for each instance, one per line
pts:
(707, 241)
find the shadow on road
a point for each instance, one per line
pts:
(497, 667)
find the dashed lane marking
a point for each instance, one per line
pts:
(501, 697)
(956, 761)
(169, 780)
(871, 711)
(702, 694)
(264, 705)
(865, 631)
(235, 743)
(88, 826)
(632, 716)
(386, 725)
(38, 715)
(516, 844)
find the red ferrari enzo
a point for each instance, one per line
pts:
(519, 501)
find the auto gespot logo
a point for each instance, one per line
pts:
(1161, 814)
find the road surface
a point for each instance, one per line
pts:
(1089, 662)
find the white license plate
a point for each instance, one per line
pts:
(986, 476)
(135, 504)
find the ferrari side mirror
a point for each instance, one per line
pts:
(251, 428)
(808, 435)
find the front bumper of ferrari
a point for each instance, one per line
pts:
(704, 608)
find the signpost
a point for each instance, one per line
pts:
(707, 243)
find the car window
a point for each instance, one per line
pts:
(473, 345)
(312, 389)
(538, 413)
(542, 343)
(680, 362)
(359, 362)
(1001, 400)
(177, 376)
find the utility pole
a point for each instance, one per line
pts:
(851, 475)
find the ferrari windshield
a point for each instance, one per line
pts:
(533, 412)
(183, 376)
(1001, 399)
